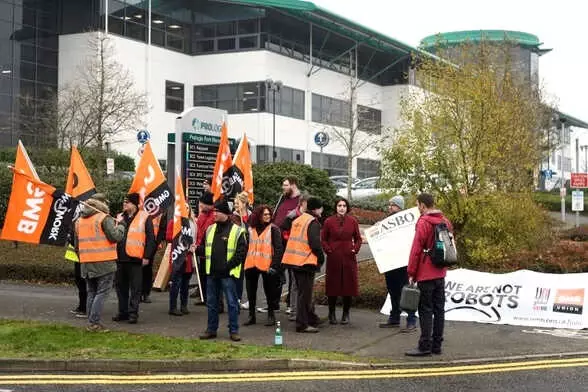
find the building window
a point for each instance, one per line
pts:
(369, 120)
(174, 97)
(331, 111)
(289, 102)
(226, 36)
(335, 165)
(234, 98)
(264, 155)
(367, 168)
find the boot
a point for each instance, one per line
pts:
(332, 318)
(271, 318)
(345, 318)
(251, 320)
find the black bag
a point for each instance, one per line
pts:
(444, 253)
(409, 298)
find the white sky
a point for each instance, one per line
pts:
(561, 25)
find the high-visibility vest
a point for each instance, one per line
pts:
(234, 235)
(135, 246)
(298, 252)
(93, 246)
(71, 255)
(260, 250)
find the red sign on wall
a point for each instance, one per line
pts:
(579, 180)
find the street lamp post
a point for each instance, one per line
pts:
(585, 148)
(274, 87)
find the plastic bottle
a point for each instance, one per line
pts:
(278, 335)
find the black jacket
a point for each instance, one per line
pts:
(219, 266)
(150, 244)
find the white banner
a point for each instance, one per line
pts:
(518, 298)
(390, 240)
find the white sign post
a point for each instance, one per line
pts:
(109, 166)
(577, 204)
(390, 240)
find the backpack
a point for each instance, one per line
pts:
(444, 253)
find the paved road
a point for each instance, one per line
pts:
(568, 375)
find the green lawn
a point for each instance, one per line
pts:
(27, 339)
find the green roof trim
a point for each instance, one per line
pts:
(458, 37)
(572, 121)
(297, 5)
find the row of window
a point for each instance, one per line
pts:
(257, 97)
(336, 165)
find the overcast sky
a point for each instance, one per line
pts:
(561, 25)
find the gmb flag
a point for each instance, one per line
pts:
(223, 167)
(37, 213)
(182, 233)
(241, 178)
(150, 183)
(79, 182)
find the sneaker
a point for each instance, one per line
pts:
(308, 329)
(389, 324)
(75, 310)
(206, 335)
(262, 310)
(245, 305)
(409, 328)
(288, 310)
(96, 328)
(175, 312)
(80, 315)
(235, 337)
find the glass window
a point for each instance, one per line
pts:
(335, 165)
(330, 111)
(369, 119)
(27, 70)
(368, 168)
(136, 31)
(204, 46)
(248, 26)
(116, 25)
(47, 74)
(157, 37)
(174, 97)
(289, 102)
(28, 53)
(224, 29)
(175, 42)
(204, 31)
(249, 42)
(226, 44)
(235, 98)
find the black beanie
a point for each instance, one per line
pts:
(222, 205)
(314, 203)
(133, 198)
(206, 198)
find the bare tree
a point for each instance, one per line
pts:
(101, 103)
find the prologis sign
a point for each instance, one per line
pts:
(202, 120)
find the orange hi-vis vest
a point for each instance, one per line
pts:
(135, 246)
(93, 246)
(298, 252)
(260, 250)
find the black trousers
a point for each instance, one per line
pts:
(305, 314)
(147, 279)
(395, 280)
(432, 314)
(271, 288)
(333, 304)
(82, 290)
(129, 279)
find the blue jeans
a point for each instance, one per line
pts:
(214, 289)
(98, 290)
(395, 281)
(180, 284)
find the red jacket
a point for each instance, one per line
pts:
(169, 237)
(205, 219)
(420, 266)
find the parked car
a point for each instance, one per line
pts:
(363, 188)
(342, 179)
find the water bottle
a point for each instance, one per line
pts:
(278, 335)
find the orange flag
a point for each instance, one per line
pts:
(23, 163)
(79, 182)
(242, 162)
(182, 233)
(37, 213)
(223, 163)
(150, 183)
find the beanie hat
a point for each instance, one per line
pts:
(206, 198)
(222, 206)
(398, 201)
(133, 198)
(314, 203)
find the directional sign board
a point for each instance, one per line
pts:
(579, 180)
(321, 139)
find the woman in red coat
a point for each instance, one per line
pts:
(341, 241)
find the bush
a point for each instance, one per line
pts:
(490, 227)
(552, 201)
(268, 183)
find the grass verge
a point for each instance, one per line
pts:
(30, 339)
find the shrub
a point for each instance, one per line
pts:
(552, 201)
(268, 183)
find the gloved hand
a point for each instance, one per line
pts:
(272, 271)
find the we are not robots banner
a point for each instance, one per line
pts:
(518, 298)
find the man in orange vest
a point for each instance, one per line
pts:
(95, 236)
(134, 251)
(304, 256)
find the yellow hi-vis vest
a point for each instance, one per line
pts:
(234, 235)
(71, 255)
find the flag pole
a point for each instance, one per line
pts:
(198, 276)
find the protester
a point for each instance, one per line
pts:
(240, 217)
(285, 228)
(341, 241)
(205, 220)
(263, 258)
(181, 273)
(71, 255)
(206, 188)
(396, 279)
(225, 250)
(159, 231)
(304, 255)
(134, 251)
(430, 278)
(96, 236)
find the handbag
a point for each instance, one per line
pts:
(409, 298)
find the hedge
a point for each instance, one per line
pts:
(551, 201)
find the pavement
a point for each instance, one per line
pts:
(464, 342)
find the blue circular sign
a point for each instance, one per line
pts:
(321, 139)
(143, 136)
